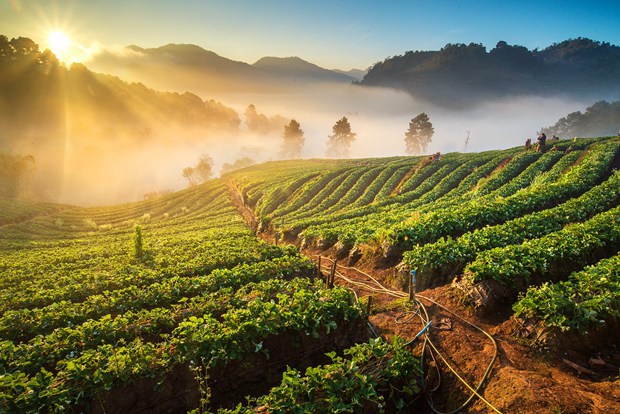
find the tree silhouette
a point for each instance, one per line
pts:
(419, 135)
(293, 140)
(340, 141)
(260, 123)
(199, 173)
(237, 165)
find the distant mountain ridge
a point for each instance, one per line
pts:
(295, 67)
(201, 69)
(190, 55)
(461, 74)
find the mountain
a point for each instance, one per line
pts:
(460, 75)
(357, 74)
(295, 69)
(203, 71)
(192, 56)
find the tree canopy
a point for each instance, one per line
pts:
(340, 141)
(201, 172)
(602, 118)
(236, 165)
(260, 123)
(419, 135)
(293, 140)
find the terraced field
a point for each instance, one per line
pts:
(515, 218)
(93, 317)
(174, 304)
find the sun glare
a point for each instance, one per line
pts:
(59, 44)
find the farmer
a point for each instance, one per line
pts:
(542, 139)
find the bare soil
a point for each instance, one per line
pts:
(524, 378)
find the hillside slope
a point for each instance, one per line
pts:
(205, 71)
(460, 74)
(103, 306)
(467, 213)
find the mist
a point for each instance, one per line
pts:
(381, 116)
(102, 140)
(124, 167)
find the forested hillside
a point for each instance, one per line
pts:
(461, 74)
(601, 118)
(69, 116)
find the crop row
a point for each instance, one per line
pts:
(69, 341)
(371, 376)
(22, 324)
(449, 256)
(208, 200)
(457, 220)
(329, 196)
(308, 192)
(299, 307)
(589, 298)
(357, 189)
(453, 190)
(275, 196)
(552, 256)
(79, 275)
(429, 191)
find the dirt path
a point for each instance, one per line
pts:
(521, 379)
(237, 199)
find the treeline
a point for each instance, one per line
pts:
(600, 119)
(38, 91)
(461, 74)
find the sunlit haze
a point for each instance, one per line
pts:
(59, 44)
(110, 161)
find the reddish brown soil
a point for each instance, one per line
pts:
(523, 379)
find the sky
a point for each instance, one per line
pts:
(335, 34)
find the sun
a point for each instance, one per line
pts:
(59, 43)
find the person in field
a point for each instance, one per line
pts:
(542, 140)
(528, 143)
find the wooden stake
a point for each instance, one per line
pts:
(368, 305)
(332, 276)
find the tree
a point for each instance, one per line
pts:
(237, 165)
(261, 124)
(419, 135)
(600, 119)
(199, 173)
(341, 139)
(293, 140)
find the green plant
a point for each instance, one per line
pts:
(138, 250)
